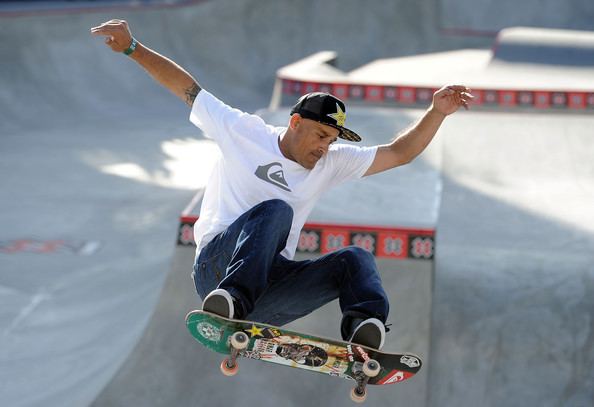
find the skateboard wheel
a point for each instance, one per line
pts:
(356, 397)
(239, 340)
(371, 368)
(228, 371)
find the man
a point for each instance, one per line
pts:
(263, 188)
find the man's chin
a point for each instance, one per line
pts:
(308, 162)
(309, 165)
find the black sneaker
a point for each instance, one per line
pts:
(369, 332)
(219, 302)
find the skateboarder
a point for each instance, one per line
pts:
(262, 190)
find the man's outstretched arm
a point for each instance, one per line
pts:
(169, 74)
(408, 145)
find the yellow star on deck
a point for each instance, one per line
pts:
(255, 331)
(339, 116)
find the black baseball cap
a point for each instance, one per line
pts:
(326, 109)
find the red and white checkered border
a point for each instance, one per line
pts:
(317, 238)
(414, 95)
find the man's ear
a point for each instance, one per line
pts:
(295, 121)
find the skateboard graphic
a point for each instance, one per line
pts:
(272, 344)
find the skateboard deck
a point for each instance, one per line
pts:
(281, 346)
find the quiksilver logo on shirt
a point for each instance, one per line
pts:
(273, 174)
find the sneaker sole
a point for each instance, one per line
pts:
(217, 305)
(368, 335)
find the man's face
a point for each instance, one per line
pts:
(312, 140)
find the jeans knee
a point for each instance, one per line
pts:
(277, 205)
(360, 257)
(277, 210)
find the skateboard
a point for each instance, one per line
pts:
(268, 343)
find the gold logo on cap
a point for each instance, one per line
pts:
(339, 116)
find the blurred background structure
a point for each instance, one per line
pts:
(485, 242)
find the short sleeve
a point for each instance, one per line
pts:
(350, 162)
(221, 122)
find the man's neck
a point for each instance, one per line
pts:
(283, 142)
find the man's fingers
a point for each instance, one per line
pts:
(459, 88)
(466, 97)
(459, 92)
(109, 26)
(114, 22)
(104, 30)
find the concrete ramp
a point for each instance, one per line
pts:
(513, 313)
(165, 368)
(544, 46)
(168, 367)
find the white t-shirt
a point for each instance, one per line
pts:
(252, 169)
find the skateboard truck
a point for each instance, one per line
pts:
(371, 368)
(239, 341)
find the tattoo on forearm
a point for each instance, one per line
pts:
(191, 93)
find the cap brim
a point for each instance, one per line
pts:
(345, 133)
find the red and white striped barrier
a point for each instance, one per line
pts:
(411, 95)
(316, 238)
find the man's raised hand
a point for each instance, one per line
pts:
(450, 98)
(117, 34)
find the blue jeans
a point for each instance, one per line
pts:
(245, 260)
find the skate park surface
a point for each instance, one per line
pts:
(98, 162)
